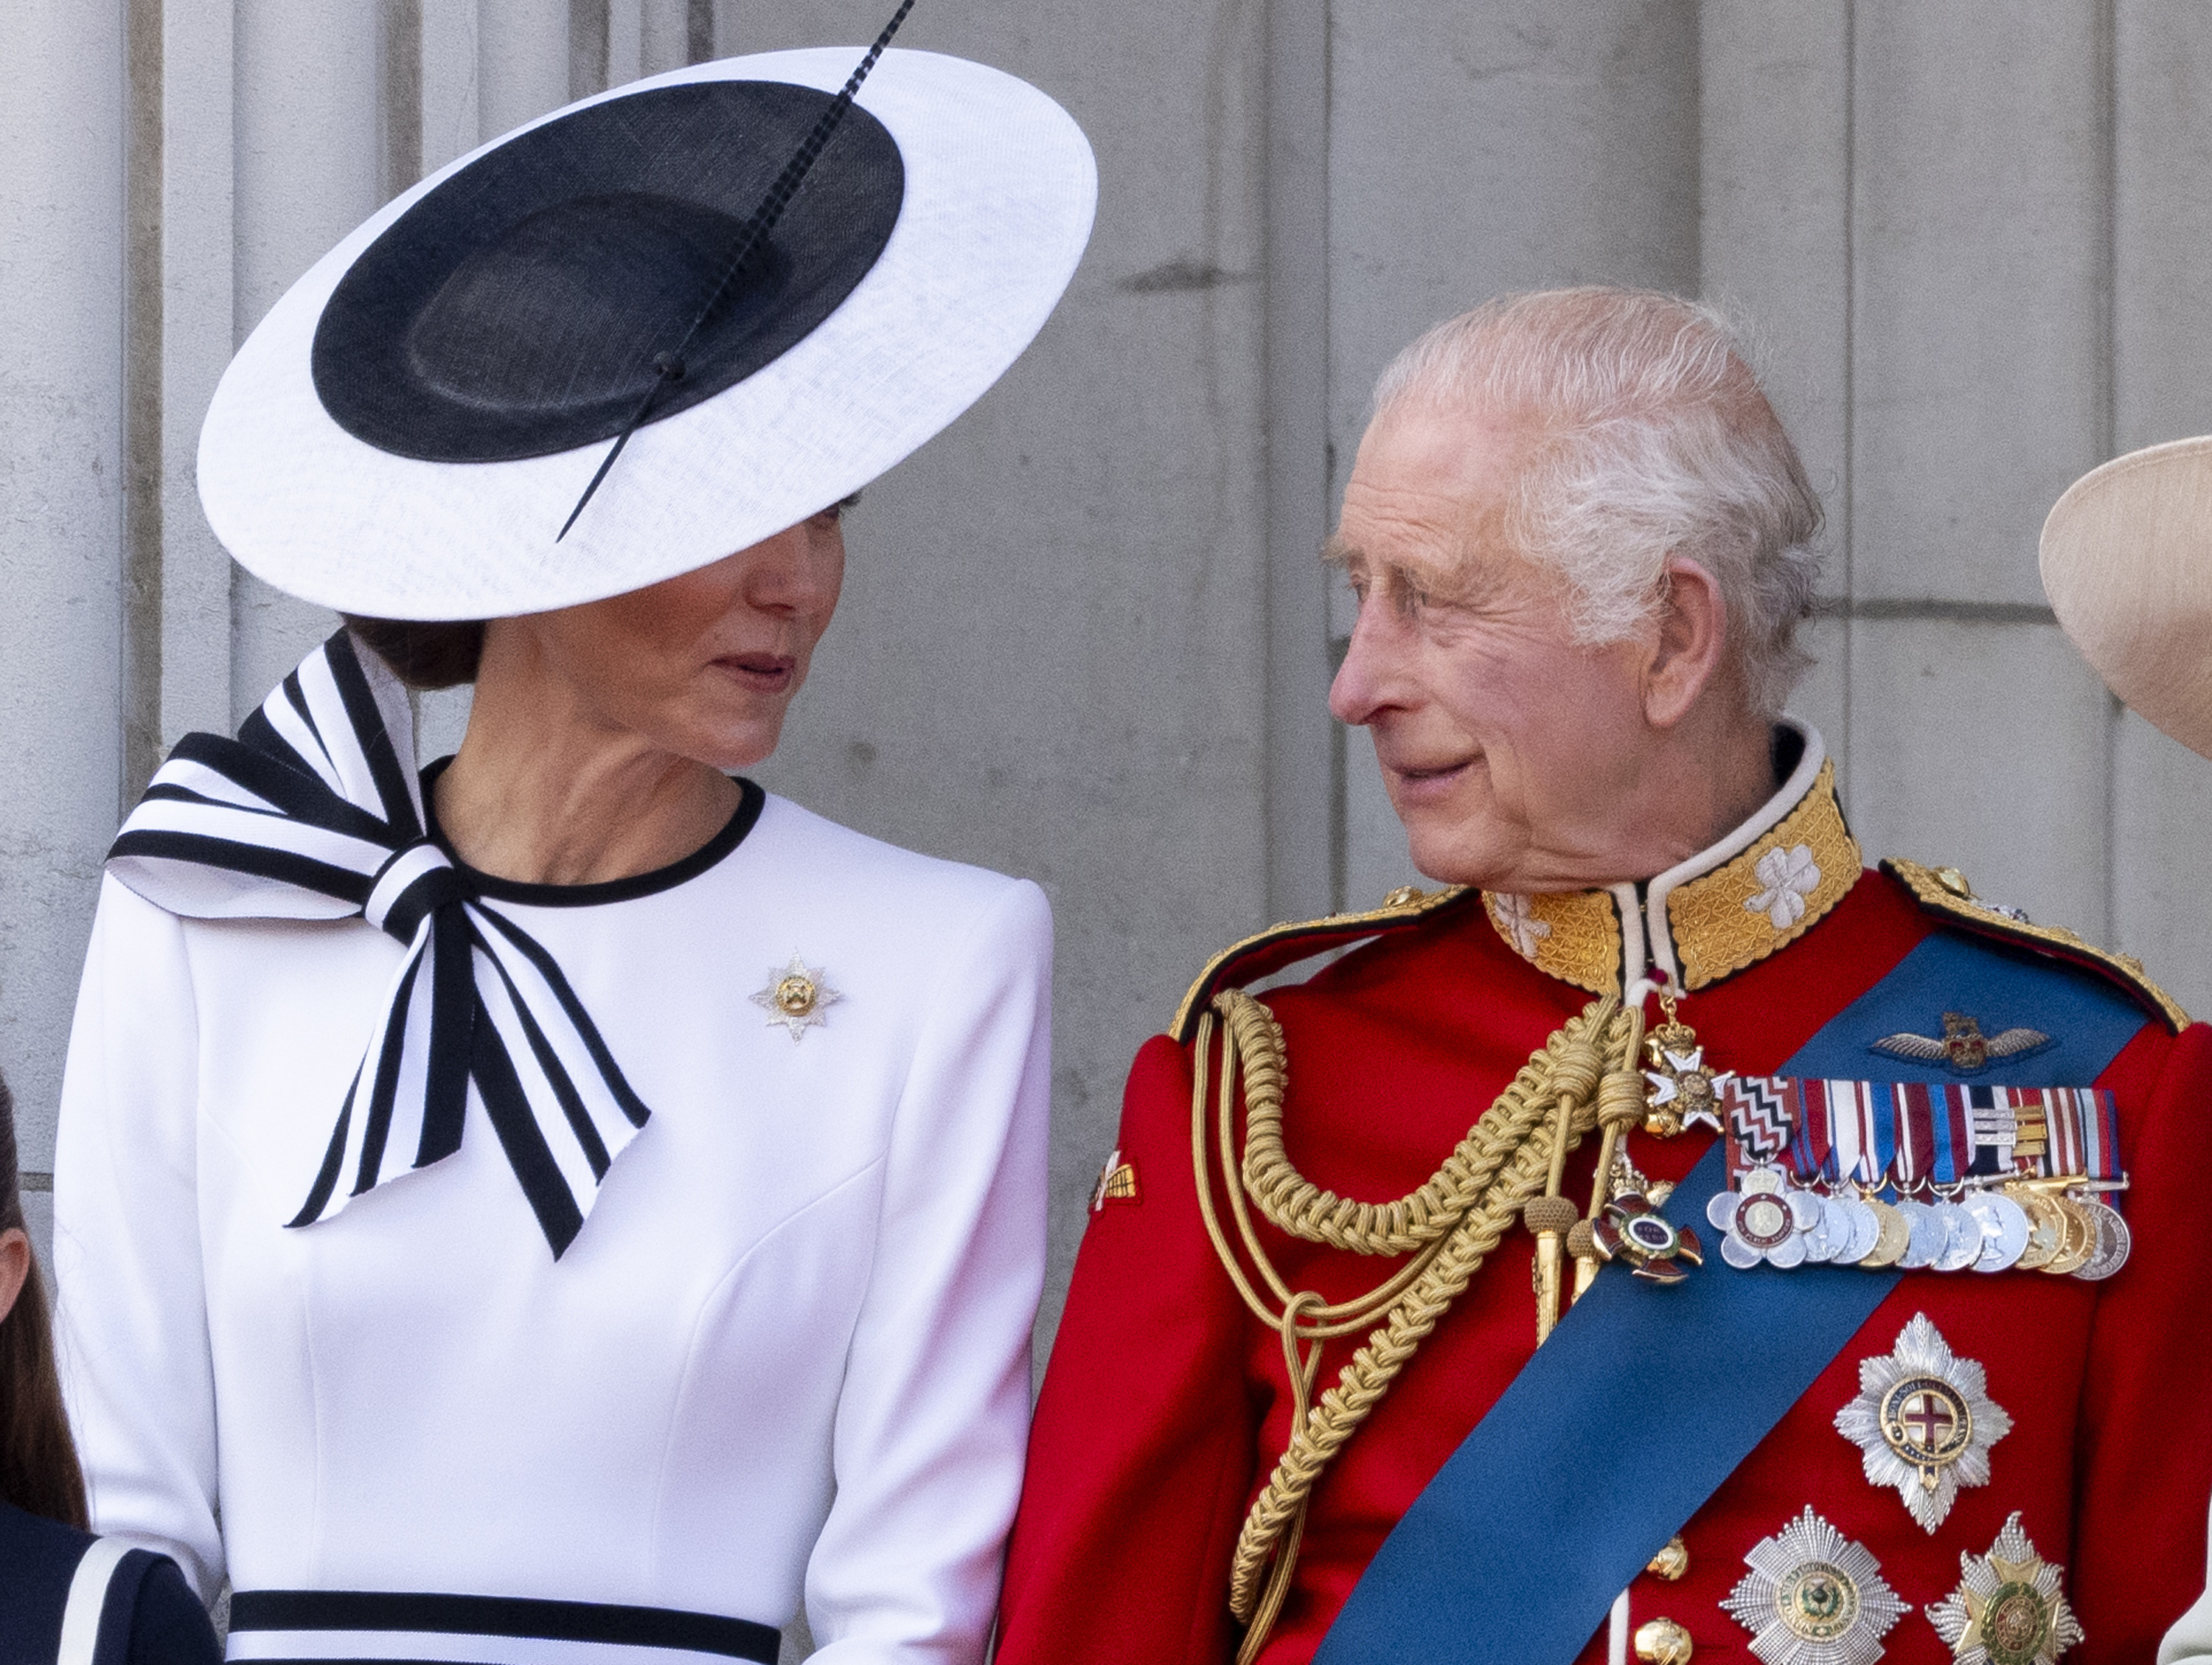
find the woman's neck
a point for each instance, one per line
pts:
(541, 793)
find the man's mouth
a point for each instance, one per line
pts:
(1418, 781)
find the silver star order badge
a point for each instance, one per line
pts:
(2009, 1609)
(1923, 1422)
(794, 997)
(1814, 1597)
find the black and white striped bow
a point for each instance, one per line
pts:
(314, 811)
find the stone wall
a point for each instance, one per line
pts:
(1085, 638)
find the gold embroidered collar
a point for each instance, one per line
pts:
(1757, 889)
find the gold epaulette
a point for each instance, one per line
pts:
(1945, 891)
(1285, 945)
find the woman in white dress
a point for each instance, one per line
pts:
(573, 1204)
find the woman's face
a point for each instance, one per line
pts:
(703, 665)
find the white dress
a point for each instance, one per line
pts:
(786, 1358)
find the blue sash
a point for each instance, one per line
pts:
(1646, 1398)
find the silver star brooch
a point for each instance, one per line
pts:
(795, 997)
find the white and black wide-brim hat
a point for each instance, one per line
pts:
(406, 432)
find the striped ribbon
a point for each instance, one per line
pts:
(1910, 1133)
(315, 812)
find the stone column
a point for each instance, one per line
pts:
(522, 60)
(1979, 388)
(309, 167)
(62, 127)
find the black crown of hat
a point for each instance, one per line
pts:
(610, 268)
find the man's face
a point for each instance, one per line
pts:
(1508, 749)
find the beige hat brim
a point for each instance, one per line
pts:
(2127, 562)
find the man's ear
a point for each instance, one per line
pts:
(14, 1267)
(1689, 642)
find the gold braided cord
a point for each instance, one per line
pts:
(1303, 1209)
(1450, 1226)
(1312, 1319)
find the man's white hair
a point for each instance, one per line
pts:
(1647, 437)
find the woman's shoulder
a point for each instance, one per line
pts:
(870, 873)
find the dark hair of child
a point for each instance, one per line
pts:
(39, 1471)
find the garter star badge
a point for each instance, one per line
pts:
(795, 997)
(2008, 1609)
(1814, 1597)
(1924, 1421)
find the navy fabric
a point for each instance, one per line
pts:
(1459, 1580)
(167, 1626)
(520, 307)
(37, 1558)
(151, 1617)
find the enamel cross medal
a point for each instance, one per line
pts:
(1682, 1084)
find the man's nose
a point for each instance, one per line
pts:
(1358, 692)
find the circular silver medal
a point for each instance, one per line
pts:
(1820, 1239)
(2113, 1243)
(1866, 1230)
(1965, 1247)
(1839, 1228)
(1930, 1236)
(2004, 1229)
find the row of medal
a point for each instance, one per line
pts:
(2051, 1225)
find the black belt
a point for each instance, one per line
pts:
(286, 1625)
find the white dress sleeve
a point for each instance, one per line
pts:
(2190, 1641)
(132, 1324)
(933, 1417)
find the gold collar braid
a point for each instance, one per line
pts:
(1510, 1160)
(1726, 908)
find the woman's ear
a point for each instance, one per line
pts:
(14, 1267)
(1690, 642)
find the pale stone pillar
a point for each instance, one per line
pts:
(309, 167)
(1775, 250)
(522, 60)
(1979, 387)
(62, 125)
(198, 325)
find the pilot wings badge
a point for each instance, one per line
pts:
(1963, 1048)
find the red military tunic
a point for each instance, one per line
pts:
(1166, 1403)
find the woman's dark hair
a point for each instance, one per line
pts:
(424, 655)
(39, 1471)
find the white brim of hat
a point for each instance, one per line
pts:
(1000, 190)
(2126, 556)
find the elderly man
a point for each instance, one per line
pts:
(1836, 1350)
